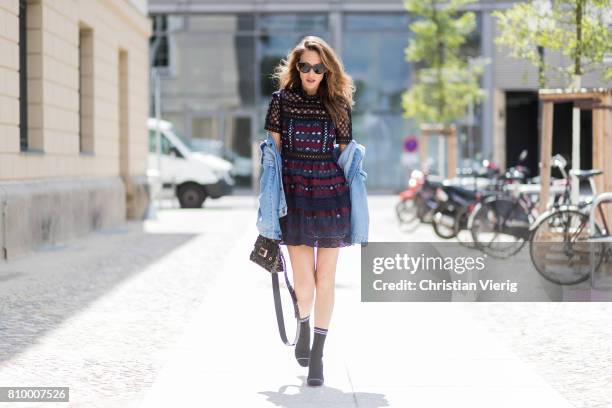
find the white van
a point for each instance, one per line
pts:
(194, 176)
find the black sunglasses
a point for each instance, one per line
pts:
(305, 68)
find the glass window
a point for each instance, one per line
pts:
(215, 70)
(23, 77)
(205, 127)
(160, 29)
(180, 136)
(238, 135)
(472, 46)
(165, 143)
(378, 68)
(373, 52)
(307, 23)
(279, 34)
(376, 22)
(221, 22)
(214, 61)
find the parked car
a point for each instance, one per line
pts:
(190, 175)
(242, 165)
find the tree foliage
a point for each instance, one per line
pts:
(581, 30)
(445, 83)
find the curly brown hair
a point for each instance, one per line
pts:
(336, 87)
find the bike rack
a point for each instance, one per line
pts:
(600, 199)
(598, 280)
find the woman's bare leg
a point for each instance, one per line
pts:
(303, 266)
(325, 282)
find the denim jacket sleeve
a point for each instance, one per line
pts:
(350, 161)
(272, 205)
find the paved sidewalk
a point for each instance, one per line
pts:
(376, 354)
(176, 316)
(98, 313)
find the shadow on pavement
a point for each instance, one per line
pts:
(39, 292)
(298, 396)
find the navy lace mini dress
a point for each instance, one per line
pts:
(316, 190)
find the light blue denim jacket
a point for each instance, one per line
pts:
(351, 161)
(272, 204)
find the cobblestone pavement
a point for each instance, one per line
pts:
(98, 313)
(569, 344)
(103, 314)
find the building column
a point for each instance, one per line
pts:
(487, 46)
(335, 28)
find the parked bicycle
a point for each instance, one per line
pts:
(417, 202)
(600, 239)
(455, 200)
(559, 241)
(499, 223)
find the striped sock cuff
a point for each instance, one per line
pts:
(320, 331)
(304, 319)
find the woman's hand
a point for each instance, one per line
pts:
(342, 147)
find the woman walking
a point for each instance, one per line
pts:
(309, 114)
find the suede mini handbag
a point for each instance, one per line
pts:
(267, 254)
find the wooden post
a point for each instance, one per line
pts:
(598, 152)
(452, 152)
(606, 135)
(546, 152)
(423, 142)
(598, 147)
(600, 102)
(447, 132)
(605, 117)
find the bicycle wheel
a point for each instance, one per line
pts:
(406, 211)
(559, 248)
(424, 212)
(462, 233)
(500, 227)
(444, 224)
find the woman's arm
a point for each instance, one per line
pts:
(277, 140)
(344, 130)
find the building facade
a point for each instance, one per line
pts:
(216, 58)
(73, 110)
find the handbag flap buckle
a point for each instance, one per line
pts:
(263, 252)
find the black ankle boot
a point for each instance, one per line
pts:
(302, 348)
(315, 367)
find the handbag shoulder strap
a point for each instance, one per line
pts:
(279, 307)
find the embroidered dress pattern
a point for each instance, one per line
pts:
(316, 190)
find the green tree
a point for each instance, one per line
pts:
(445, 81)
(578, 29)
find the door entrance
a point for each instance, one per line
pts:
(522, 129)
